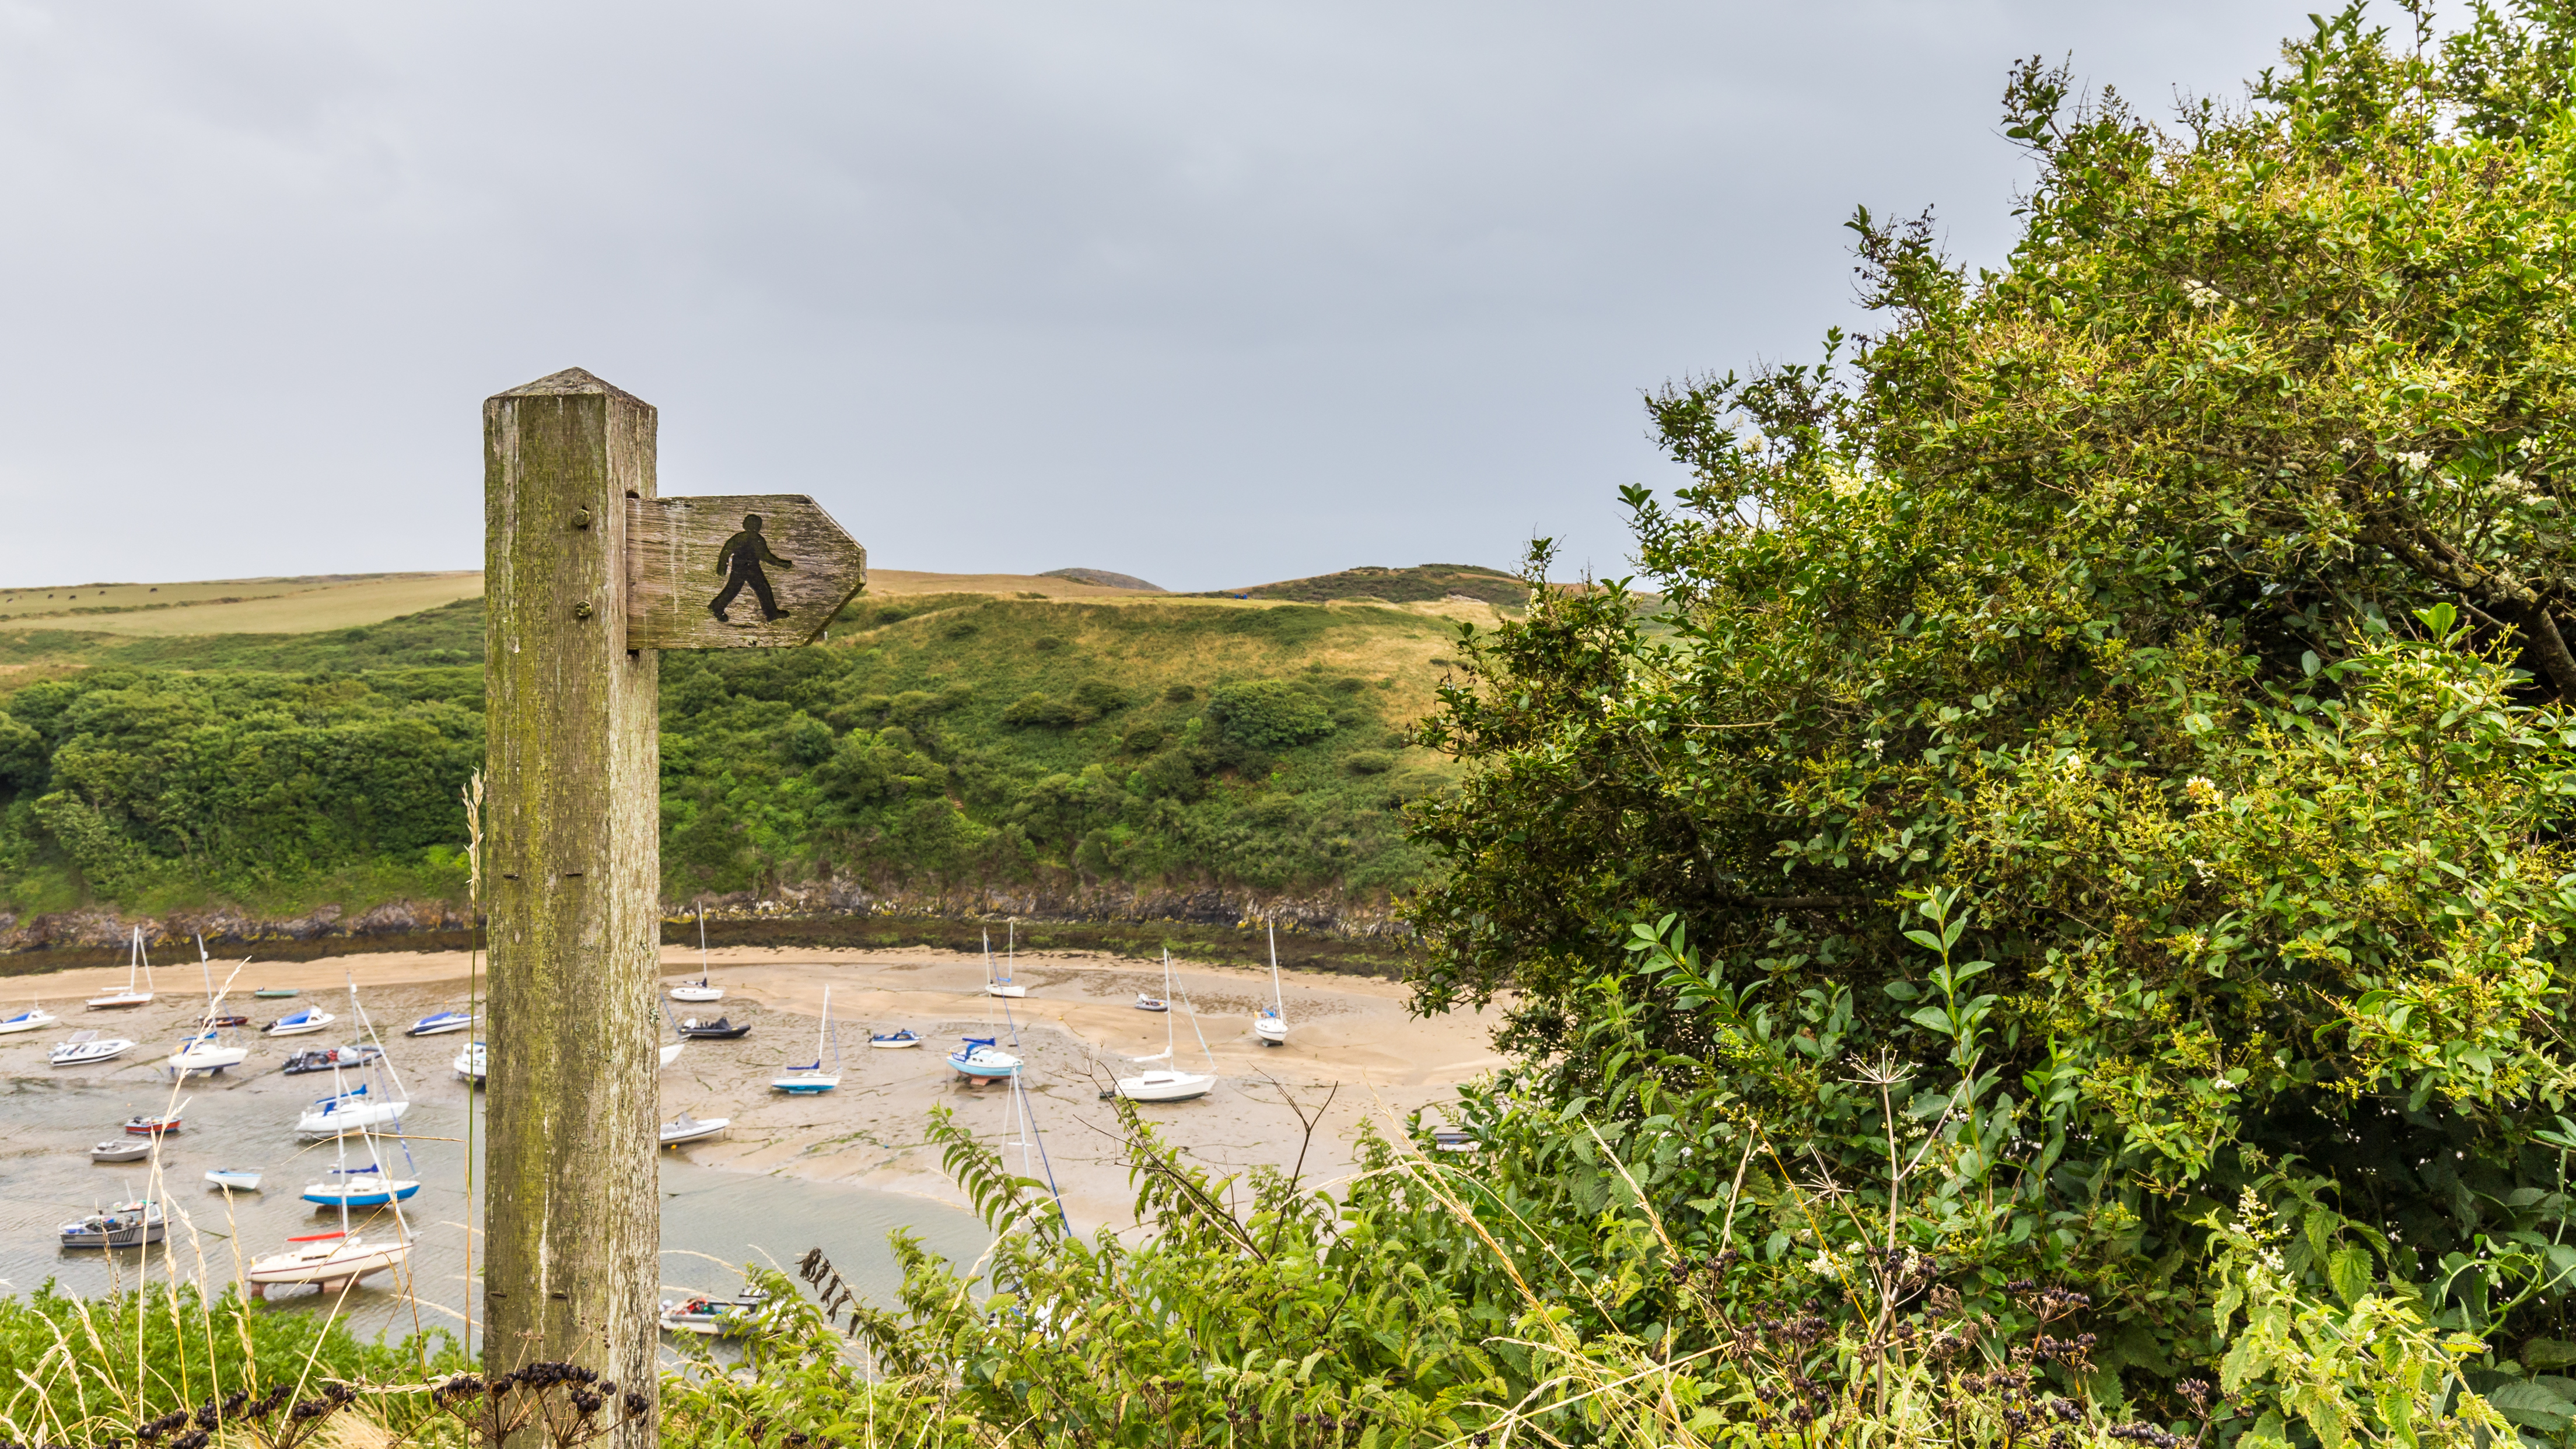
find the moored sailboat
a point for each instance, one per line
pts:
(135, 961)
(1272, 1024)
(811, 1080)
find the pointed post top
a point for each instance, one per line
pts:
(572, 381)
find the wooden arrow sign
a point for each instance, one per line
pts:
(735, 572)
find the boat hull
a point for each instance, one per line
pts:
(289, 1026)
(332, 1268)
(18, 1024)
(985, 1065)
(1165, 1087)
(214, 1060)
(120, 1152)
(90, 1053)
(340, 1122)
(894, 1044)
(438, 1026)
(233, 1181)
(122, 1001)
(690, 1129)
(1014, 992)
(804, 1086)
(697, 993)
(379, 1195)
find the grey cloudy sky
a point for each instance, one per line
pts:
(1214, 293)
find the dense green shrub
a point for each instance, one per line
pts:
(1035, 710)
(1269, 714)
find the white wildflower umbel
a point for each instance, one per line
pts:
(2510, 481)
(2416, 461)
(2202, 295)
(2202, 790)
(1826, 1265)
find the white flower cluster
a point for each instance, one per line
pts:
(2202, 295)
(2417, 461)
(2202, 790)
(2513, 482)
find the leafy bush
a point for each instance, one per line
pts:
(1269, 714)
(1035, 710)
(1368, 762)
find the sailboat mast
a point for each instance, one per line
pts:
(702, 943)
(825, 1028)
(1278, 998)
(1171, 1042)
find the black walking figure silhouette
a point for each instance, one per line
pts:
(741, 559)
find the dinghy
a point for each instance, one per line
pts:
(899, 1039)
(1151, 1003)
(704, 988)
(1452, 1139)
(331, 1260)
(300, 1023)
(712, 1316)
(359, 1187)
(129, 997)
(1002, 985)
(274, 993)
(440, 1023)
(1272, 1024)
(233, 1179)
(227, 1021)
(1166, 1084)
(323, 1059)
(811, 1080)
(982, 1060)
(693, 1129)
(719, 1029)
(86, 1048)
(142, 1126)
(29, 1020)
(473, 1062)
(126, 1225)
(123, 1149)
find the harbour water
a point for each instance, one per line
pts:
(713, 1221)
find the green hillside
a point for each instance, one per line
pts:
(935, 742)
(1422, 583)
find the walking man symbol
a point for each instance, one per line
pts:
(740, 561)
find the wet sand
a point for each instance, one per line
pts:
(1352, 1052)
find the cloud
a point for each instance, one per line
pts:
(1213, 294)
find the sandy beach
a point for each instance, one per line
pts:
(1352, 1052)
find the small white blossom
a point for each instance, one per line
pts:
(2417, 461)
(2346, 446)
(2513, 482)
(1826, 1265)
(2201, 294)
(2202, 790)
(1873, 746)
(2073, 764)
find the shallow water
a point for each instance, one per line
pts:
(712, 1221)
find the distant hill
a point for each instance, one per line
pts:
(1104, 578)
(1420, 584)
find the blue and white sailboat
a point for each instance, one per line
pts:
(367, 1186)
(808, 1081)
(981, 1059)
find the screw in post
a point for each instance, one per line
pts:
(582, 610)
(581, 518)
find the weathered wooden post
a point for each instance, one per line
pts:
(573, 877)
(586, 575)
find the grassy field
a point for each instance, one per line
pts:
(236, 606)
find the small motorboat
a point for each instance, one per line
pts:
(86, 1048)
(122, 1149)
(126, 1225)
(1452, 1139)
(693, 1129)
(233, 1179)
(713, 1316)
(227, 1021)
(719, 1029)
(205, 1052)
(699, 990)
(332, 1260)
(1151, 1003)
(130, 997)
(899, 1039)
(439, 1023)
(274, 993)
(983, 1061)
(351, 1111)
(359, 1187)
(323, 1059)
(300, 1023)
(28, 1020)
(473, 1062)
(142, 1126)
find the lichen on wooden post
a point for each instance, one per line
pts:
(572, 881)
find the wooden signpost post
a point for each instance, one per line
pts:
(587, 573)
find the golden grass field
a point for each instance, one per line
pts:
(300, 605)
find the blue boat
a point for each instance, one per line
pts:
(439, 1023)
(982, 1059)
(359, 1187)
(812, 1080)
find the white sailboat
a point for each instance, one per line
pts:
(337, 1260)
(1169, 1084)
(1001, 985)
(693, 1129)
(135, 961)
(358, 1109)
(704, 988)
(1272, 1024)
(206, 1051)
(809, 1081)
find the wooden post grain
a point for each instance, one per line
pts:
(573, 885)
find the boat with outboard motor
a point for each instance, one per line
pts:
(122, 1149)
(31, 1019)
(713, 1316)
(440, 1023)
(902, 1038)
(126, 1225)
(474, 1062)
(720, 1029)
(323, 1059)
(87, 1048)
(300, 1023)
(693, 1129)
